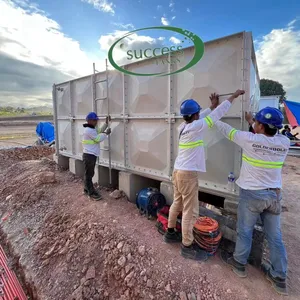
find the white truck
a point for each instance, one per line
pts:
(145, 112)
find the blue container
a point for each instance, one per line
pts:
(149, 201)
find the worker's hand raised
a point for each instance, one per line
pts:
(235, 95)
(214, 98)
(108, 119)
(248, 117)
(238, 93)
(108, 131)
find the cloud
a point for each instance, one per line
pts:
(124, 26)
(292, 23)
(173, 18)
(278, 58)
(165, 21)
(188, 10)
(36, 42)
(158, 7)
(132, 42)
(26, 84)
(172, 5)
(102, 5)
(174, 40)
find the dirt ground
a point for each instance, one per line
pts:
(70, 247)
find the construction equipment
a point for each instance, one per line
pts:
(106, 98)
(149, 201)
(162, 220)
(207, 234)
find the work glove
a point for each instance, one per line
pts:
(108, 131)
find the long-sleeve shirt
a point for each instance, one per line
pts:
(92, 137)
(262, 158)
(191, 153)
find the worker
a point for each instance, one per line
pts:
(289, 134)
(260, 185)
(286, 127)
(189, 162)
(92, 136)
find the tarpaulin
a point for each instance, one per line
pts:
(292, 110)
(45, 130)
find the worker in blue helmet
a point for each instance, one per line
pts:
(189, 162)
(92, 137)
(260, 185)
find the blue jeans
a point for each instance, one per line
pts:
(267, 204)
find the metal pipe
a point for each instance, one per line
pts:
(72, 114)
(222, 95)
(94, 105)
(109, 142)
(123, 115)
(143, 117)
(170, 106)
(94, 92)
(55, 116)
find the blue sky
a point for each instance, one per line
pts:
(207, 19)
(34, 34)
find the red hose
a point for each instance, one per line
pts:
(8, 279)
(11, 286)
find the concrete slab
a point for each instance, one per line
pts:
(62, 161)
(166, 188)
(231, 206)
(103, 173)
(131, 184)
(76, 167)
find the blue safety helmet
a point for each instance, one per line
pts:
(91, 116)
(270, 116)
(189, 107)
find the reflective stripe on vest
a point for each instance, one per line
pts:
(191, 145)
(231, 134)
(209, 121)
(89, 142)
(262, 163)
(92, 142)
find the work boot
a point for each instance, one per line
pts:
(172, 237)
(279, 284)
(95, 196)
(193, 252)
(237, 268)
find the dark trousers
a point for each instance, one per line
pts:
(89, 162)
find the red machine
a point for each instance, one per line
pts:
(162, 220)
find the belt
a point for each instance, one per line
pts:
(273, 189)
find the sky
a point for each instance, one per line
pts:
(45, 42)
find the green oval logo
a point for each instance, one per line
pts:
(198, 44)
